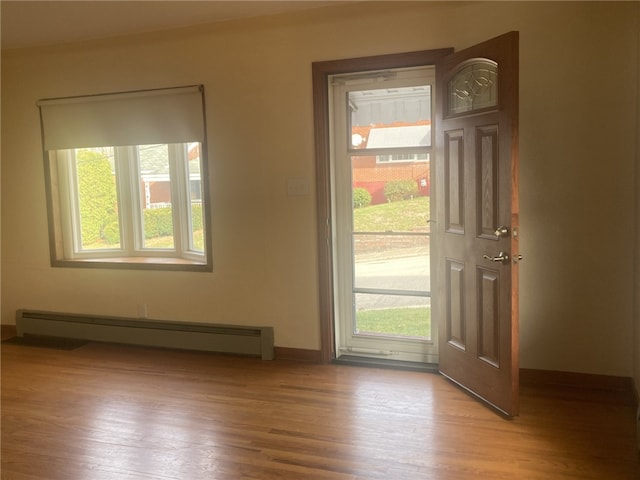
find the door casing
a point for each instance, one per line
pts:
(321, 72)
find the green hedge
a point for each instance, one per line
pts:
(111, 233)
(196, 214)
(158, 222)
(361, 197)
(400, 190)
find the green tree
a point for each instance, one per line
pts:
(97, 196)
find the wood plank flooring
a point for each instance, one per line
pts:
(103, 412)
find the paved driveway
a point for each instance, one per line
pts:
(402, 273)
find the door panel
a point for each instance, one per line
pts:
(488, 316)
(454, 181)
(475, 233)
(455, 319)
(487, 181)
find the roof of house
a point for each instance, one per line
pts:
(155, 165)
(405, 136)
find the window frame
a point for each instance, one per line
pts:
(61, 167)
(62, 212)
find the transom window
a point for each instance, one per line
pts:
(117, 199)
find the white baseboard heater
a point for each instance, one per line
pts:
(236, 339)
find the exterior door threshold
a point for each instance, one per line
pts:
(356, 361)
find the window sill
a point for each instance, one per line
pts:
(137, 263)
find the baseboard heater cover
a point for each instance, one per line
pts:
(236, 339)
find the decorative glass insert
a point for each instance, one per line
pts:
(473, 87)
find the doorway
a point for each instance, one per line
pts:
(476, 231)
(323, 73)
(381, 151)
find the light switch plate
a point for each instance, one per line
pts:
(297, 186)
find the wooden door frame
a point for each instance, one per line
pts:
(321, 71)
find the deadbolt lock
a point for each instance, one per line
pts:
(502, 231)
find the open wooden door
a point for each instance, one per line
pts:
(476, 228)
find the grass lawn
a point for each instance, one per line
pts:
(403, 216)
(404, 322)
(167, 242)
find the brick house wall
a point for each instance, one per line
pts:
(368, 173)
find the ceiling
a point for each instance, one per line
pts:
(27, 23)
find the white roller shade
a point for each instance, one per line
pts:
(172, 115)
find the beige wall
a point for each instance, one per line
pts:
(578, 147)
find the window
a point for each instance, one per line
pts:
(403, 157)
(126, 180)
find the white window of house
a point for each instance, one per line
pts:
(127, 179)
(403, 157)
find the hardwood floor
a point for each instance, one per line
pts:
(113, 412)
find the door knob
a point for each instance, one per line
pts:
(502, 257)
(502, 231)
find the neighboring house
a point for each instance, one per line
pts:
(374, 171)
(387, 119)
(154, 175)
